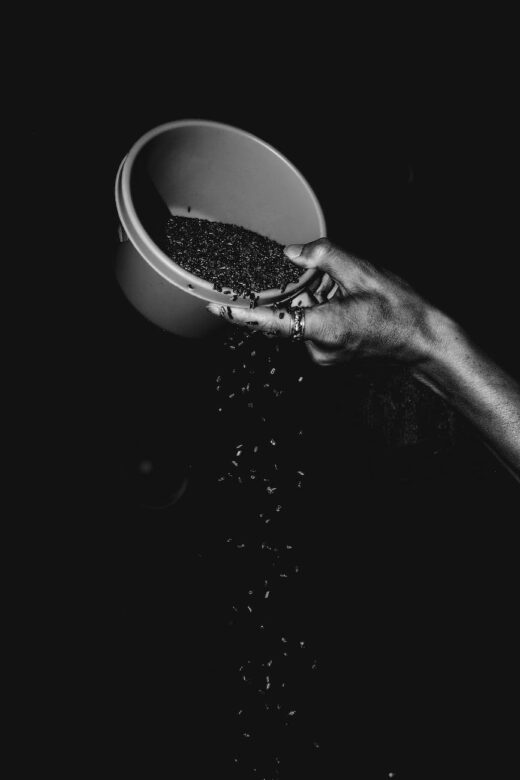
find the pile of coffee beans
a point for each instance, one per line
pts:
(234, 260)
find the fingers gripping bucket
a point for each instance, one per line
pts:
(196, 168)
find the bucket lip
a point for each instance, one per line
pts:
(149, 249)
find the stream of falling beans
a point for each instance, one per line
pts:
(265, 476)
(275, 661)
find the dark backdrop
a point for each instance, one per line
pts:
(408, 519)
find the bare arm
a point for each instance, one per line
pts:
(362, 311)
(475, 386)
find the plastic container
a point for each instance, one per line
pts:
(213, 171)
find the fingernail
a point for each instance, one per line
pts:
(293, 251)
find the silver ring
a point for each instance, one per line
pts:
(297, 323)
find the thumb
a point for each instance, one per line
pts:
(320, 254)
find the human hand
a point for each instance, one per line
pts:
(357, 310)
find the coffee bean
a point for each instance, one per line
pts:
(228, 256)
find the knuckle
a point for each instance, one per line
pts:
(323, 360)
(316, 356)
(323, 243)
(317, 249)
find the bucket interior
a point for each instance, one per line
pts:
(222, 174)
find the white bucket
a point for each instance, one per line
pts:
(212, 171)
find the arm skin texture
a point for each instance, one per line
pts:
(360, 311)
(473, 385)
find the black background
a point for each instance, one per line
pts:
(409, 144)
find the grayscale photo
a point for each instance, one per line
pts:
(276, 463)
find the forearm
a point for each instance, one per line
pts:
(474, 385)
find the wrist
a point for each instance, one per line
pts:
(443, 346)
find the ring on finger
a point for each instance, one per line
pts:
(297, 323)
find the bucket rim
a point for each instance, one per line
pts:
(158, 259)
